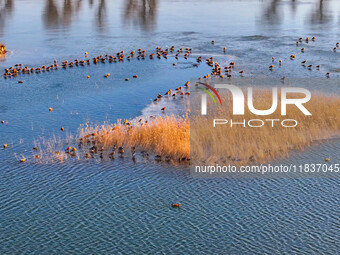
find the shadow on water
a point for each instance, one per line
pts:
(141, 12)
(274, 14)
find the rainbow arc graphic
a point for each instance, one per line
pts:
(209, 93)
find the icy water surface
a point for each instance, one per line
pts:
(121, 206)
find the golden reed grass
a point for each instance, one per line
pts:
(244, 145)
(167, 136)
(179, 137)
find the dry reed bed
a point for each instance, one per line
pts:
(181, 137)
(167, 136)
(244, 145)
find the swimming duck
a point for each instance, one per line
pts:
(121, 150)
(328, 74)
(50, 109)
(22, 160)
(5, 145)
(88, 77)
(135, 76)
(304, 62)
(2, 122)
(303, 50)
(163, 109)
(328, 159)
(178, 205)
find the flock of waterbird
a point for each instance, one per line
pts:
(217, 71)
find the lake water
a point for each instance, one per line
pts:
(124, 207)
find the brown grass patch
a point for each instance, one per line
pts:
(165, 136)
(244, 145)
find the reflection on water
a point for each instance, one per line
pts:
(101, 13)
(58, 13)
(141, 12)
(6, 9)
(320, 13)
(274, 13)
(144, 13)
